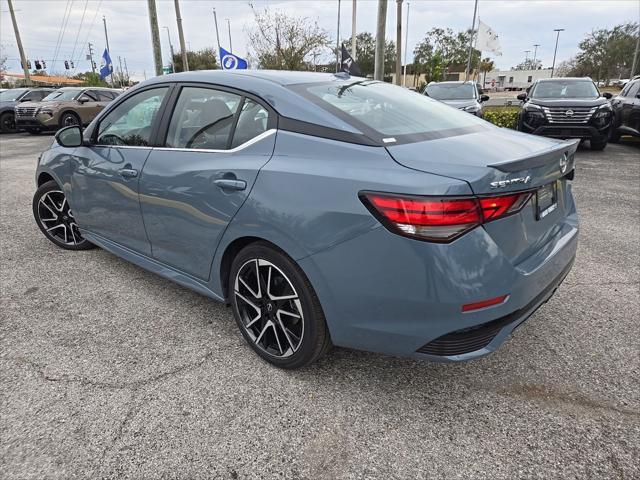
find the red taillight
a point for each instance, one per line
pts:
(468, 307)
(440, 219)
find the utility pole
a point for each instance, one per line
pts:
(535, 53)
(173, 68)
(378, 70)
(121, 73)
(406, 47)
(473, 26)
(558, 30)
(185, 60)
(155, 36)
(93, 65)
(353, 30)
(398, 40)
(23, 58)
(338, 42)
(229, 30)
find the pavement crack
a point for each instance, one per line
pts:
(133, 385)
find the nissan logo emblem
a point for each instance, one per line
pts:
(569, 113)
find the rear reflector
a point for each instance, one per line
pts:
(439, 219)
(468, 307)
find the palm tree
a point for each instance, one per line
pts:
(486, 65)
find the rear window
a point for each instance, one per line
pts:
(386, 110)
(451, 91)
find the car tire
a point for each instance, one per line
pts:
(276, 308)
(68, 119)
(8, 123)
(598, 144)
(54, 217)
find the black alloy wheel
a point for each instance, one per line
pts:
(276, 308)
(8, 122)
(55, 218)
(69, 119)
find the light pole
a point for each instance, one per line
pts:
(406, 43)
(229, 29)
(553, 66)
(526, 55)
(535, 52)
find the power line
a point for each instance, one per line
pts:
(64, 17)
(75, 44)
(64, 29)
(86, 40)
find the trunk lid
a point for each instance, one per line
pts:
(498, 161)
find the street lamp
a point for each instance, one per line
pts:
(526, 55)
(558, 30)
(535, 53)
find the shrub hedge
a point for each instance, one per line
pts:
(502, 116)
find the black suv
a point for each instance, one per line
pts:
(566, 108)
(626, 111)
(10, 98)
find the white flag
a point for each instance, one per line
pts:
(487, 40)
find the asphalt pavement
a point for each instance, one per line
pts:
(108, 371)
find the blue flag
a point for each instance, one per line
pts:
(106, 66)
(229, 61)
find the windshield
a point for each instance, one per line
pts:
(565, 89)
(61, 95)
(451, 91)
(12, 95)
(387, 109)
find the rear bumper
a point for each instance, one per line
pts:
(385, 293)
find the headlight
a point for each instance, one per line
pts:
(532, 106)
(471, 108)
(603, 111)
(46, 111)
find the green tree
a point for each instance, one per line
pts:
(486, 65)
(606, 53)
(443, 50)
(282, 42)
(528, 64)
(90, 79)
(204, 59)
(366, 53)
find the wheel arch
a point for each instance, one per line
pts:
(44, 177)
(73, 112)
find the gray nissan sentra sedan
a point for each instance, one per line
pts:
(326, 209)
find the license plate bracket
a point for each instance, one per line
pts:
(546, 200)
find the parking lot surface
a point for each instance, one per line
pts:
(109, 371)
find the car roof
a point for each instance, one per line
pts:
(559, 79)
(269, 85)
(470, 82)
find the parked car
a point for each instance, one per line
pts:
(465, 96)
(12, 97)
(325, 209)
(63, 107)
(626, 111)
(566, 108)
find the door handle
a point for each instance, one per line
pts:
(229, 184)
(128, 172)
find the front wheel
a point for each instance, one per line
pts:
(55, 218)
(69, 119)
(598, 144)
(276, 307)
(8, 123)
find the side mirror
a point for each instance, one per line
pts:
(607, 95)
(69, 136)
(484, 98)
(84, 99)
(522, 97)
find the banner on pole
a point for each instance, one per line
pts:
(229, 61)
(106, 65)
(348, 64)
(487, 39)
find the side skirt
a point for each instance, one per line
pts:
(151, 265)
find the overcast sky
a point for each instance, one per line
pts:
(520, 25)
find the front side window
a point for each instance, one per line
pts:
(387, 109)
(131, 122)
(634, 89)
(12, 95)
(565, 89)
(451, 91)
(203, 118)
(62, 95)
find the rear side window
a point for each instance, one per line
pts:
(203, 118)
(252, 122)
(387, 110)
(634, 89)
(131, 122)
(105, 96)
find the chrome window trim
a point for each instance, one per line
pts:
(263, 135)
